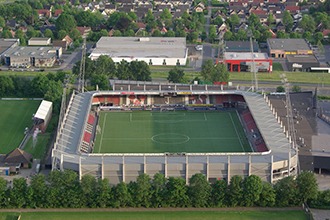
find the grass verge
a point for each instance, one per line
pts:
(173, 215)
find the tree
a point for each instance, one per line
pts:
(199, 190)
(48, 33)
(156, 33)
(6, 34)
(21, 36)
(2, 22)
(105, 65)
(158, 190)
(176, 75)
(100, 80)
(3, 191)
(207, 69)
(252, 187)
(75, 34)
(166, 14)
(241, 35)
(220, 73)
(123, 197)
(212, 33)
(53, 93)
(65, 22)
(254, 21)
(234, 20)
(286, 192)
(103, 193)
(61, 34)
(6, 85)
(307, 23)
(88, 187)
(139, 70)
(170, 33)
(270, 20)
(228, 35)
(176, 192)
(18, 193)
(280, 89)
(307, 186)
(218, 193)
(142, 194)
(267, 196)
(235, 191)
(296, 88)
(287, 21)
(39, 191)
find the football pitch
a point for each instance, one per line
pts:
(14, 118)
(173, 132)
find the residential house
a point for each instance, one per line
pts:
(326, 33)
(12, 24)
(65, 43)
(200, 7)
(162, 7)
(84, 31)
(292, 9)
(17, 159)
(124, 2)
(57, 13)
(126, 8)
(44, 13)
(110, 8)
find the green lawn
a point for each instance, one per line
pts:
(15, 117)
(277, 67)
(180, 131)
(173, 215)
(39, 150)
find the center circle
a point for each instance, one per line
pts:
(170, 138)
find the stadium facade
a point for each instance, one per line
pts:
(273, 158)
(159, 51)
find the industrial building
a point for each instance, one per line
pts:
(153, 50)
(302, 63)
(280, 48)
(241, 46)
(243, 62)
(26, 57)
(7, 44)
(39, 41)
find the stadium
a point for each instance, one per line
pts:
(174, 129)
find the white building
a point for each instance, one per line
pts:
(169, 51)
(39, 41)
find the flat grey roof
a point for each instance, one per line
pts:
(302, 59)
(245, 56)
(287, 44)
(6, 43)
(171, 47)
(38, 52)
(240, 46)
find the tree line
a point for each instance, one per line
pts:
(100, 70)
(47, 86)
(65, 190)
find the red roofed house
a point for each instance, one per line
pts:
(57, 13)
(84, 31)
(292, 9)
(44, 13)
(326, 33)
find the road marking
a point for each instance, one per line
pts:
(205, 117)
(105, 117)
(231, 119)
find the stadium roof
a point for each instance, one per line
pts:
(141, 47)
(287, 44)
(245, 56)
(43, 109)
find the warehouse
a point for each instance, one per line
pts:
(301, 63)
(241, 46)
(243, 62)
(153, 50)
(25, 57)
(280, 48)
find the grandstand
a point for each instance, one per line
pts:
(92, 117)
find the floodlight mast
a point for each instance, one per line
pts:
(81, 83)
(253, 66)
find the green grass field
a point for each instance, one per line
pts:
(173, 215)
(15, 117)
(180, 131)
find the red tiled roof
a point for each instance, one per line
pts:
(44, 12)
(57, 12)
(292, 8)
(326, 32)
